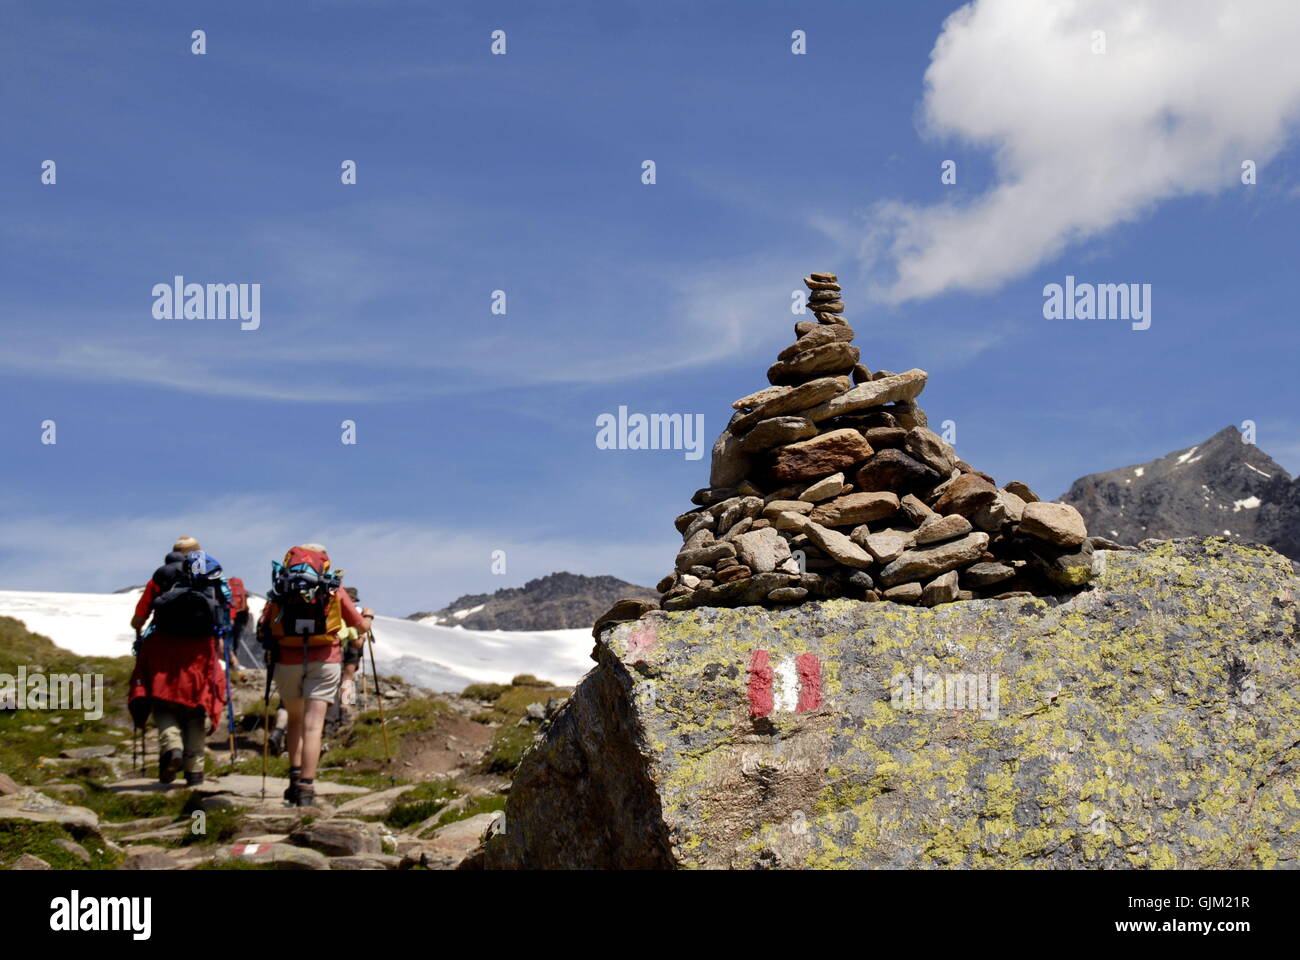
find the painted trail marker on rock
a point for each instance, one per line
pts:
(792, 685)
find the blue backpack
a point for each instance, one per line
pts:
(192, 602)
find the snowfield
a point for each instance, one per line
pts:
(445, 659)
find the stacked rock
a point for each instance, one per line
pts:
(822, 488)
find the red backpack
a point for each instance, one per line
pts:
(303, 606)
(238, 595)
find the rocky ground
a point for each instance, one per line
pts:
(1149, 720)
(73, 794)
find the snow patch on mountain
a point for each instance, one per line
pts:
(437, 657)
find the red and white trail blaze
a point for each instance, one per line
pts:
(250, 849)
(792, 684)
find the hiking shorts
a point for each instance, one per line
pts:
(320, 681)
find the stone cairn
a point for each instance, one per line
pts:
(829, 483)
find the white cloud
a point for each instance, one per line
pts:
(1084, 141)
(398, 567)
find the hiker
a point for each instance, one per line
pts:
(305, 612)
(238, 617)
(354, 644)
(178, 675)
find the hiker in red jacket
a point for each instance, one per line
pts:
(178, 674)
(238, 617)
(305, 612)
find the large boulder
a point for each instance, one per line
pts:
(283, 855)
(1150, 720)
(339, 837)
(38, 808)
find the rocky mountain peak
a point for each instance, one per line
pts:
(558, 601)
(1222, 486)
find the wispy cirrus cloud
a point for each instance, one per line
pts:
(687, 318)
(195, 371)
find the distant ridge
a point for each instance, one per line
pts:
(1221, 487)
(559, 601)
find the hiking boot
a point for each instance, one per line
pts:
(168, 765)
(193, 779)
(275, 743)
(306, 797)
(291, 793)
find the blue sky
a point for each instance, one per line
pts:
(522, 172)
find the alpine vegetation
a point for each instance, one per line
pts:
(37, 690)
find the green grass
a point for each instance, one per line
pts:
(377, 779)
(508, 747)
(474, 808)
(380, 779)
(484, 691)
(21, 750)
(420, 803)
(275, 766)
(515, 701)
(363, 745)
(119, 807)
(356, 755)
(221, 825)
(512, 740)
(528, 680)
(21, 836)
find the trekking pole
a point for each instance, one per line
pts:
(230, 705)
(370, 642)
(266, 739)
(137, 733)
(363, 698)
(266, 718)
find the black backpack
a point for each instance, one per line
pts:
(190, 602)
